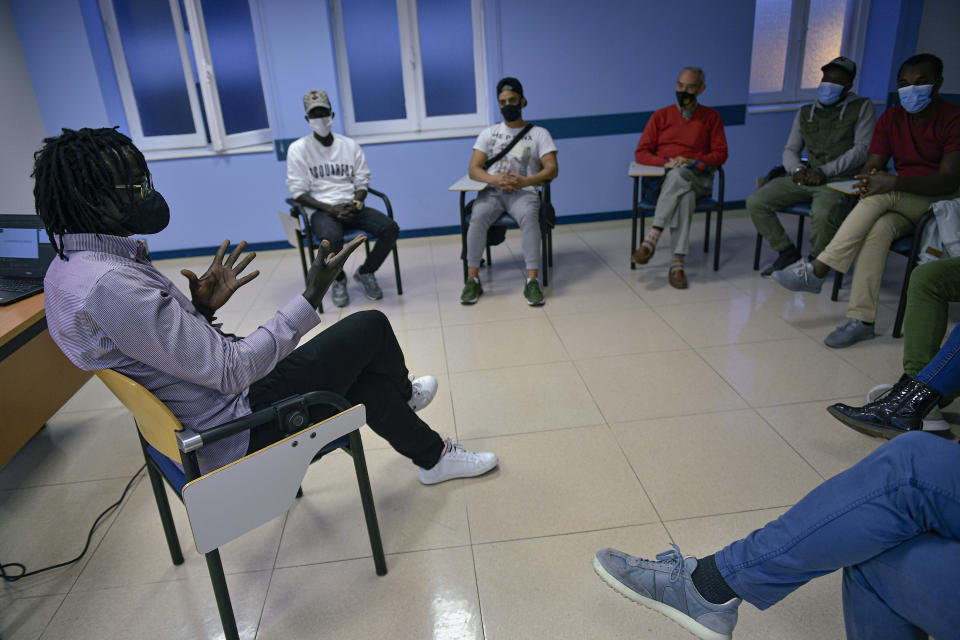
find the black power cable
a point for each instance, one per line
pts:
(23, 569)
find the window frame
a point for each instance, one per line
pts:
(202, 74)
(417, 124)
(851, 46)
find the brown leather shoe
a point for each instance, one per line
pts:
(678, 279)
(644, 253)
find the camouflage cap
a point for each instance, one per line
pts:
(315, 98)
(843, 63)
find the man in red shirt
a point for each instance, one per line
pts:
(687, 140)
(922, 134)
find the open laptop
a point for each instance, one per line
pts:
(25, 254)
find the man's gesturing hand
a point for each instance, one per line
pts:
(212, 290)
(325, 269)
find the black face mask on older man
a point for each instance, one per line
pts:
(685, 99)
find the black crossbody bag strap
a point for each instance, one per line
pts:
(492, 161)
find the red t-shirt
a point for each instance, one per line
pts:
(917, 149)
(668, 135)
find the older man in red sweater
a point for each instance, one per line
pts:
(687, 139)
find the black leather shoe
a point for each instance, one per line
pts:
(898, 411)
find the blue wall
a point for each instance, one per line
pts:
(606, 58)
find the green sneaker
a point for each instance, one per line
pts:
(533, 293)
(471, 291)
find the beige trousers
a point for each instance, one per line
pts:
(866, 235)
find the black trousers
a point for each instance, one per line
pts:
(359, 358)
(376, 224)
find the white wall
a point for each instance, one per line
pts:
(939, 36)
(21, 127)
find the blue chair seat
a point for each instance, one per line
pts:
(902, 245)
(505, 220)
(703, 204)
(799, 209)
(175, 476)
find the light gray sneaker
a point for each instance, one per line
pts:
(799, 277)
(665, 586)
(850, 332)
(369, 283)
(338, 291)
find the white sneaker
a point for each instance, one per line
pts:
(874, 394)
(934, 421)
(424, 389)
(457, 462)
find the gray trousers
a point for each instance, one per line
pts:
(678, 198)
(523, 206)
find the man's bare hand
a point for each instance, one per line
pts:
(507, 182)
(212, 290)
(815, 178)
(876, 182)
(326, 268)
(344, 212)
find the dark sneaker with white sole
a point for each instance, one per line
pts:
(533, 293)
(471, 291)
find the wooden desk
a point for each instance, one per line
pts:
(36, 379)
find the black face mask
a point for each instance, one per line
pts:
(149, 215)
(685, 99)
(510, 112)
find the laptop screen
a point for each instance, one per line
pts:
(25, 250)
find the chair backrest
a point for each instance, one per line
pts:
(156, 422)
(291, 227)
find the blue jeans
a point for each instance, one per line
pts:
(943, 372)
(891, 522)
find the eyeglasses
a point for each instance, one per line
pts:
(143, 189)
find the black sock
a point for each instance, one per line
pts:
(710, 584)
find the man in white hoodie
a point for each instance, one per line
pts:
(327, 173)
(836, 131)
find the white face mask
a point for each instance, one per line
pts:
(321, 126)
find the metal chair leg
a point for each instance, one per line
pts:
(716, 241)
(396, 271)
(706, 234)
(633, 235)
(166, 518)
(837, 283)
(366, 498)
(163, 505)
(222, 595)
(756, 252)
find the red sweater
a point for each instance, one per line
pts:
(668, 135)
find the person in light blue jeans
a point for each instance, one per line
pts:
(891, 523)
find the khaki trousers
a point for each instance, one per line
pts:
(866, 235)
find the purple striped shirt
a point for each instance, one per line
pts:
(108, 308)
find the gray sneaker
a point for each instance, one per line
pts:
(799, 277)
(369, 283)
(850, 332)
(665, 586)
(338, 291)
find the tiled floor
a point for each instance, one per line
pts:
(625, 413)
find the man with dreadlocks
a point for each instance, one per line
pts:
(109, 308)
